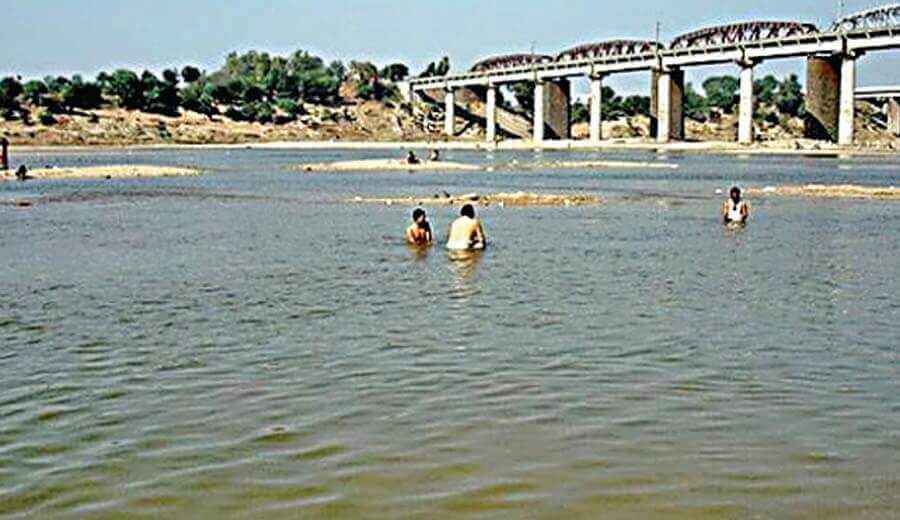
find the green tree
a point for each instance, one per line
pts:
(191, 74)
(636, 105)
(764, 89)
(611, 104)
(34, 92)
(789, 99)
(395, 72)
(580, 113)
(161, 97)
(127, 88)
(722, 92)
(696, 106)
(523, 93)
(77, 93)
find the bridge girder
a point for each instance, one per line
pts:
(879, 18)
(742, 33)
(510, 61)
(609, 48)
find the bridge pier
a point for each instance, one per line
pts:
(745, 113)
(450, 112)
(490, 116)
(596, 109)
(823, 85)
(538, 112)
(667, 102)
(847, 115)
(893, 113)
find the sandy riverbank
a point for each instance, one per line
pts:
(790, 147)
(829, 191)
(105, 172)
(501, 199)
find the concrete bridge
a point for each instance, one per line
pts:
(831, 73)
(888, 97)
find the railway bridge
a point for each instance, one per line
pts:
(831, 54)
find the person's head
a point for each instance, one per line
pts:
(418, 215)
(467, 211)
(410, 153)
(735, 194)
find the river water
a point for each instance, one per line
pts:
(246, 344)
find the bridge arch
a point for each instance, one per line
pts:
(609, 48)
(510, 61)
(738, 33)
(878, 18)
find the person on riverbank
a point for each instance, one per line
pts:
(411, 158)
(22, 173)
(4, 154)
(735, 211)
(419, 232)
(434, 156)
(466, 232)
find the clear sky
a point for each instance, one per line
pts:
(87, 36)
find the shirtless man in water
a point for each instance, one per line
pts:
(466, 231)
(735, 211)
(419, 232)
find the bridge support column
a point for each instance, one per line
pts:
(745, 115)
(538, 112)
(847, 103)
(667, 102)
(823, 86)
(490, 115)
(893, 116)
(450, 113)
(596, 108)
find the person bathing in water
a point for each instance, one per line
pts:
(735, 211)
(466, 232)
(419, 232)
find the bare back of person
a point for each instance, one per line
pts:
(466, 232)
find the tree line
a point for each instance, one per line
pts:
(254, 86)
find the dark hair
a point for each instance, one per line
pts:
(734, 190)
(467, 211)
(417, 213)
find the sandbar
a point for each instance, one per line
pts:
(501, 199)
(105, 172)
(831, 191)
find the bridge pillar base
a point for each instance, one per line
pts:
(667, 104)
(745, 114)
(893, 114)
(596, 109)
(823, 86)
(846, 120)
(490, 116)
(551, 110)
(450, 113)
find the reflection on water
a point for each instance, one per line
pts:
(244, 345)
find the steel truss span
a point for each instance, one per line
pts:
(742, 33)
(510, 61)
(609, 49)
(880, 18)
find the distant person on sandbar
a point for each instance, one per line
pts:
(419, 232)
(435, 155)
(735, 211)
(466, 232)
(411, 158)
(22, 173)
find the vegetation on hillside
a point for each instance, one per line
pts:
(252, 86)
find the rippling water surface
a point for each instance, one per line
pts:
(244, 344)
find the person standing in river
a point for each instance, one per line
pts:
(735, 211)
(419, 232)
(466, 232)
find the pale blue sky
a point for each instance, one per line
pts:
(87, 36)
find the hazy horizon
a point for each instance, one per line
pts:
(101, 35)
